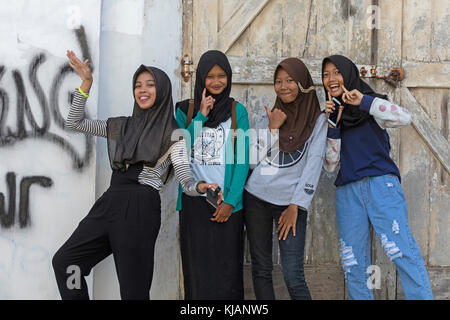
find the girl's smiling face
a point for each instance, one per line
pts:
(216, 80)
(145, 90)
(332, 79)
(285, 86)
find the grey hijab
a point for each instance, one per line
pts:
(146, 135)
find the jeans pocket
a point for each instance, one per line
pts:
(391, 188)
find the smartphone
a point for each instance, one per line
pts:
(212, 196)
(332, 119)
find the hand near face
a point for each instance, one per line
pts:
(353, 97)
(207, 104)
(276, 118)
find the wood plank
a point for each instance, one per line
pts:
(422, 123)
(440, 282)
(417, 30)
(435, 104)
(238, 23)
(416, 170)
(325, 282)
(257, 97)
(415, 167)
(205, 24)
(422, 74)
(439, 222)
(440, 49)
(265, 36)
(328, 28)
(259, 70)
(324, 244)
(226, 10)
(240, 93)
(295, 20)
(390, 34)
(359, 36)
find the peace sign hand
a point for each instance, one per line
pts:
(353, 97)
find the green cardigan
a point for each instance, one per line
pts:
(237, 165)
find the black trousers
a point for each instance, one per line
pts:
(212, 253)
(124, 221)
(260, 217)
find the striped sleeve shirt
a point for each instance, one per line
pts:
(149, 176)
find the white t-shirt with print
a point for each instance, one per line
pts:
(208, 154)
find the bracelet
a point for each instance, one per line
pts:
(83, 94)
(196, 187)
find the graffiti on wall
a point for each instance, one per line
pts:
(7, 217)
(49, 107)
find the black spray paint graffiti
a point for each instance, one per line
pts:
(7, 217)
(50, 108)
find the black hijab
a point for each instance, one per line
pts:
(222, 106)
(146, 135)
(351, 116)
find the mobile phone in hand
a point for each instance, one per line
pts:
(212, 196)
(332, 119)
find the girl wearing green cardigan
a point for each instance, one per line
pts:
(212, 240)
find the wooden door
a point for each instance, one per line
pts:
(257, 34)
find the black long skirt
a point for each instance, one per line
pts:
(212, 253)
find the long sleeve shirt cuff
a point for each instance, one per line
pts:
(366, 103)
(334, 133)
(200, 117)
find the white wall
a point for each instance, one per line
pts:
(38, 33)
(135, 32)
(121, 34)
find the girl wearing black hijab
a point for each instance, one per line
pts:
(211, 239)
(125, 220)
(368, 181)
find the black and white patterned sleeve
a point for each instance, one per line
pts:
(180, 162)
(76, 120)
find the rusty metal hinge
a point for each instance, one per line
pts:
(186, 71)
(391, 75)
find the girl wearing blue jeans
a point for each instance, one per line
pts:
(368, 182)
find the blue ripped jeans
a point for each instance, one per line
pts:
(379, 201)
